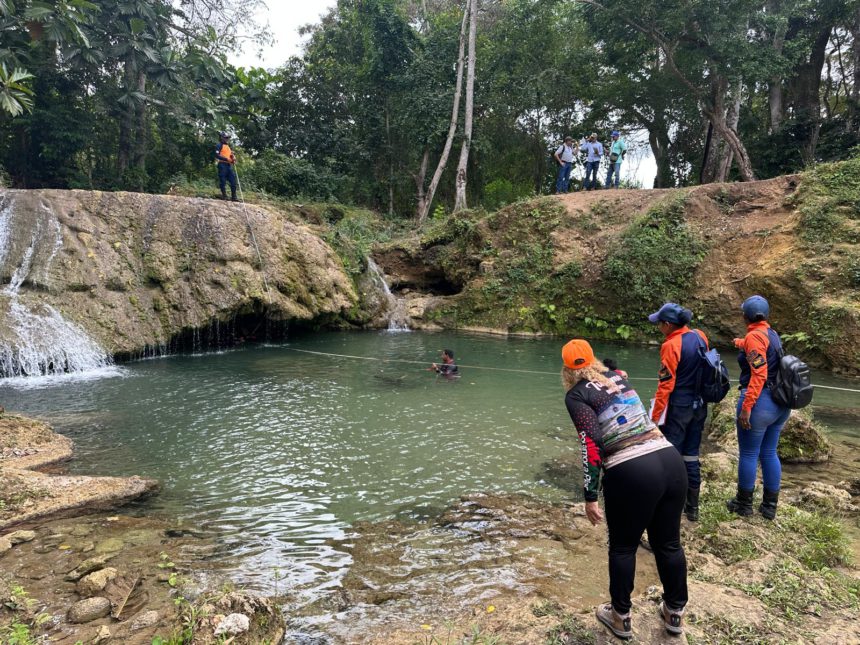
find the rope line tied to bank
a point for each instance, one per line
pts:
(498, 369)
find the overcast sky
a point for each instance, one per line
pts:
(284, 18)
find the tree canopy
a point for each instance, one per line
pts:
(128, 94)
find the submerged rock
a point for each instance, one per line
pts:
(87, 566)
(144, 620)
(85, 611)
(95, 582)
(19, 537)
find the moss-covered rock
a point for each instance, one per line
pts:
(135, 270)
(802, 441)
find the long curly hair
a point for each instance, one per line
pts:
(595, 372)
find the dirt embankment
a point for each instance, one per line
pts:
(597, 263)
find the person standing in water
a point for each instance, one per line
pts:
(644, 484)
(448, 367)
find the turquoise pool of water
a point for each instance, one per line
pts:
(278, 451)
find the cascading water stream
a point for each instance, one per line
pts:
(398, 317)
(39, 341)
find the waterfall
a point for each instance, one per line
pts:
(38, 340)
(398, 317)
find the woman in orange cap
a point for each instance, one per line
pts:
(644, 484)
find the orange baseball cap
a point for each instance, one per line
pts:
(577, 354)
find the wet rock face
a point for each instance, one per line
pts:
(133, 270)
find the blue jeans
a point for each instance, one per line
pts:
(758, 444)
(590, 171)
(616, 168)
(683, 429)
(563, 181)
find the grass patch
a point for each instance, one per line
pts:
(569, 631)
(655, 258)
(719, 630)
(828, 199)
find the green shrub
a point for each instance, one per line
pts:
(656, 258)
(278, 174)
(501, 192)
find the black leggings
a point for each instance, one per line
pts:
(646, 492)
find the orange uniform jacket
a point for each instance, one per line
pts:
(754, 346)
(670, 356)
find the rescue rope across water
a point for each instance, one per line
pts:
(493, 369)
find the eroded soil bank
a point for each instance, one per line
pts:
(595, 264)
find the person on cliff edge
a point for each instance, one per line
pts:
(226, 160)
(644, 484)
(759, 418)
(678, 406)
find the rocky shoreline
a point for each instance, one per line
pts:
(489, 569)
(71, 573)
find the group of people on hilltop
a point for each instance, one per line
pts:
(648, 462)
(594, 151)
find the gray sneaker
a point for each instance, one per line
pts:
(673, 619)
(618, 624)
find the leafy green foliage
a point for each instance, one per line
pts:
(15, 96)
(656, 258)
(284, 176)
(828, 198)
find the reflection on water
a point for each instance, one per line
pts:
(280, 452)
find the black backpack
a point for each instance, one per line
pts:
(712, 382)
(793, 385)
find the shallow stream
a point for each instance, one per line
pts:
(279, 452)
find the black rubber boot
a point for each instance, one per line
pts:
(224, 195)
(742, 503)
(691, 508)
(767, 508)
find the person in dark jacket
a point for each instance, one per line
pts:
(678, 406)
(226, 160)
(644, 484)
(759, 418)
(448, 368)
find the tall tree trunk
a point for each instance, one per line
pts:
(717, 113)
(422, 176)
(775, 90)
(460, 199)
(390, 160)
(425, 204)
(659, 141)
(141, 136)
(733, 115)
(806, 95)
(854, 102)
(126, 122)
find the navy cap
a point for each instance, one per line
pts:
(616, 133)
(671, 313)
(755, 307)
